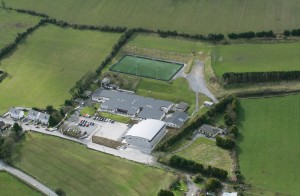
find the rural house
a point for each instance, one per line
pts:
(16, 113)
(33, 115)
(210, 130)
(43, 118)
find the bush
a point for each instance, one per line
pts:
(213, 185)
(225, 143)
(286, 33)
(165, 193)
(60, 192)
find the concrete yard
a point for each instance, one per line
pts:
(114, 131)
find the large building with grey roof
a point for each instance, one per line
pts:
(131, 105)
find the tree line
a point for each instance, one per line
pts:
(3, 75)
(192, 166)
(251, 34)
(244, 77)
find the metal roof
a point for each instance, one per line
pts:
(150, 108)
(146, 129)
(178, 118)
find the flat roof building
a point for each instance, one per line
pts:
(132, 105)
(146, 134)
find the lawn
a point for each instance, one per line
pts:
(256, 58)
(118, 118)
(192, 16)
(48, 63)
(90, 110)
(80, 171)
(12, 23)
(269, 147)
(10, 186)
(206, 152)
(138, 66)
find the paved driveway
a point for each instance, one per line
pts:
(196, 80)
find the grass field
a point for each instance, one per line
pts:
(12, 23)
(48, 63)
(118, 118)
(149, 68)
(80, 171)
(269, 147)
(256, 58)
(168, 44)
(206, 152)
(191, 16)
(10, 186)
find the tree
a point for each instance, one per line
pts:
(17, 129)
(60, 192)
(286, 33)
(165, 193)
(212, 185)
(49, 109)
(6, 150)
(53, 121)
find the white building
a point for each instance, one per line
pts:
(146, 134)
(16, 113)
(43, 118)
(208, 103)
(33, 115)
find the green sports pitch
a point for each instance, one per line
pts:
(146, 67)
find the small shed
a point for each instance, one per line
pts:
(208, 103)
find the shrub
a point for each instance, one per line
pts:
(165, 193)
(213, 185)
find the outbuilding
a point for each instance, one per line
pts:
(146, 134)
(208, 103)
(176, 119)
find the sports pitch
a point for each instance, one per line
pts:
(149, 68)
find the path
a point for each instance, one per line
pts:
(196, 80)
(30, 180)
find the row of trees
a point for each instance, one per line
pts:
(209, 37)
(294, 32)
(226, 143)
(3, 75)
(251, 34)
(7, 143)
(232, 77)
(192, 166)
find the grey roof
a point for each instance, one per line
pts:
(44, 116)
(150, 108)
(178, 118)
(2, 124)
(33, 113)
(210, 129)
(182, 106)
(15, 111)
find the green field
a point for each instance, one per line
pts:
(11, 186)
(80, 171)
(48, 63)
(206, 152)
(168, 44)
(12, 23)
(149, 68)
(256, 58)
(269, 147)
(189, 16)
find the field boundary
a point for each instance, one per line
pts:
(149, 58)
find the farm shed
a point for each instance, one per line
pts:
(146, 134)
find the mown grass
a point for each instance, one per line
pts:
(12, 23)
(48, 63)
(206, 152)
(9, 186)
(269, 147)
(256, 58)
(80, 171)
(192, 16)
(118, 118)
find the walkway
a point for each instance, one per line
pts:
(30, 180)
